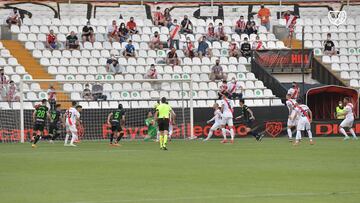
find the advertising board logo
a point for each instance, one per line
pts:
(337, 17)
(273, 128)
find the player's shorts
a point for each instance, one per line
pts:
(292, 122)
(116, 127)
(347, 123)
(249, 123)
(39, 126)
(163, 124)
(215, 126)
(227, 120)
(303, 124)
(71, 128)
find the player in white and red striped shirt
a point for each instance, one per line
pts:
(304, 115)
(223, 89)
(227, 109)
(240, 26)
(290, 103)
(72, 119)
(294, 91)
(349, 119)
(234, 89)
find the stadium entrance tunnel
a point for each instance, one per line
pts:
(323, 100)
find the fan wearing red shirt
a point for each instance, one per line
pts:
(51, 40)
(131, 26)
(240, 26)
(159, 19)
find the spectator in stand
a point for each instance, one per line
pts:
(188, 48)
(151, 73)
(240, 26)
(245, 48)
(186, 25)
(220, 33)
(174, 35)
(12, 93)
(251, 27)
(112, 32)
(217, 72)
(294, 91)
(290, 25)
(329, 46)
(168, 21)
(131, 26)
(72, 41)
(86, 94)
(264, 15)
(123, 33)
(129, 50)
(14, 18)
(51, 40)
(203, 48)
(51, 92)
(155, 42)
(113, 66)
(98, 92)
(3, 84)
(172, 57)
(257, 44)
(88, 33)
(211, 33)
(159, 18)
(233, 49)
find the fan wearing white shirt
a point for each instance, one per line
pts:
(72, 119)
(227, 109)
(349, 119)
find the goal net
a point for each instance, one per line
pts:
(99, 98)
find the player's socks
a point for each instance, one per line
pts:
(66, 139)
(224, 133)
(161, 141)
(344, 133)
(111, 138)
(209, 135)
(232, 134)
(352, 133)
(289, 133)
(165, 140)
(119, 138)
(254, 134)
(310, 136)
(73, 138)
(37, 138)
(298, 135)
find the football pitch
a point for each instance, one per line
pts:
(190, 171)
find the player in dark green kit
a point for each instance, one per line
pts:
(39, 118)
(116, 120)
(55, 123)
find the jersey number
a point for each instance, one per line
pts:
(40, 113)
(116, 115)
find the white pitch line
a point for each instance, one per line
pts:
(224, 196)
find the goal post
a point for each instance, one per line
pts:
(138, 98)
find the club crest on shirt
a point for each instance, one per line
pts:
(273, 128)
(337, 17)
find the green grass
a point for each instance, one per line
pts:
(191, 171)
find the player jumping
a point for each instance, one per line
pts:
(227, 110)
(349, 119)
(115, 120)
(55, 123)
(152, 127)
(304, 114)
(290, 103)
(163, 112)
(248, 116)
(39, 118)
(72, 118)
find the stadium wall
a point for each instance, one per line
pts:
(271, 120)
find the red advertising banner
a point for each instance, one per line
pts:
(291, 58)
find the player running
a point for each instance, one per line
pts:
(227, 109)
(248, 117)
(304, 115)
(163, 112)
(290, 103)
(116, 119)
(217, 124)
(152, 127)
(39, 118)
(72, 119)
(55, 123)
(349, 119)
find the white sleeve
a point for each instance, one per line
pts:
(290, 91)
(77, 115)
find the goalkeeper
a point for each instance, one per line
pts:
(152, 127)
